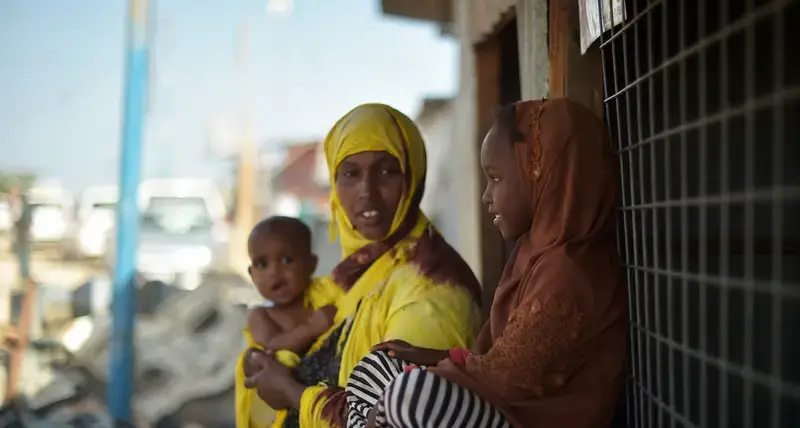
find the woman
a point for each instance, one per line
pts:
(552, 352)
(402, 280)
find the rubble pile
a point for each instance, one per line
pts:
(186, 350)
(187, 344)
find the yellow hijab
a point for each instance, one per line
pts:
(371, 128)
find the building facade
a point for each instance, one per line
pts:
(698, 98)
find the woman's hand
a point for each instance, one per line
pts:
(274, 383)
(251, 366)
(412, 354)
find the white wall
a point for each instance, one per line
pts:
(453, 192)
(442, 186)
(437, 130)
(532, 25)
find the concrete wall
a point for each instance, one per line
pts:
(463, 207)
(437, 130)
(532, 24)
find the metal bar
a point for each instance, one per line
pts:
(789, 291)
(778, 141)
(23, 331)
(638, 225)
(670, 265)
(791, 192)
(22, 234)
(724, 223)
(121, 364)
(749, 219)
(633, 360)
(684, 213)
(703, 242)
(629, 223)
(653, 185)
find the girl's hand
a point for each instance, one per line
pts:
(371, 418)
(412, 354)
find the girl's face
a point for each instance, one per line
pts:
(505, 194)
(370, 186)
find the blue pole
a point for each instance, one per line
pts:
(121, 364)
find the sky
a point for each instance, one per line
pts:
(62, 66)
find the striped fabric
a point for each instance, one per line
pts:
(407, 397)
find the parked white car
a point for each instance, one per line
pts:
(51, 214)
(94, 220)
(183, 232)
(6, 216)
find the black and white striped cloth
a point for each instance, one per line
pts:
(417, 398)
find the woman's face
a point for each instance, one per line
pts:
(505, 195)
(370, 186)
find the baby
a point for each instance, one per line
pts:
(281, 266)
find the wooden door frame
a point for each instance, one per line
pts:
(572, 74)
(487, 82)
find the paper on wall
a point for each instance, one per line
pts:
(589, 16)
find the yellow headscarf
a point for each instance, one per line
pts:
(370, 128)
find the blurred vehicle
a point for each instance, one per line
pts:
(6, 217)
(7, 223)
(88, 234)
(183, 232)
(51, 211)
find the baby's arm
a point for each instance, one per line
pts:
(301, 337)
(298, 339)
(262, 327)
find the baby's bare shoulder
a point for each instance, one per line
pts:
(260, 319)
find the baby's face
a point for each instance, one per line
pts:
(280, 269)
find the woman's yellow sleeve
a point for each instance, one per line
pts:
(251, 412)
(247, 402)
(243, 396)
(436, 317)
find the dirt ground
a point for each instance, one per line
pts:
(47, 267)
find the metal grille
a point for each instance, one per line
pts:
(702, 103)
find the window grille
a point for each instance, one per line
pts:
(702, 101)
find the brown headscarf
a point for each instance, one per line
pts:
(553, 350)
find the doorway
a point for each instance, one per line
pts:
(498, 82)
